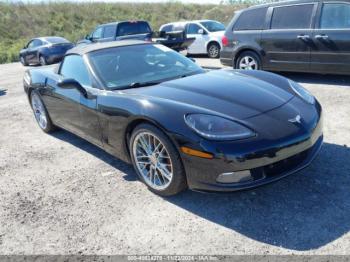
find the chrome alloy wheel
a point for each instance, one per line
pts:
(39, 111)
(248, 63)
(42, 60)
(22, 60)
(213, 51)
(152, 160)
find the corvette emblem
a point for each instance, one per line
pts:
(296, 119)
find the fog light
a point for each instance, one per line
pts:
(235, 177)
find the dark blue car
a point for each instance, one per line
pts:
(44, 50)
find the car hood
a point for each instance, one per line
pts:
(225, 92)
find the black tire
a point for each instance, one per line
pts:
(251, 56)
(178, 182)
(213, 50)
(42, 60)
(49, 127)
(23, 61)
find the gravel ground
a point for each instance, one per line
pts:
(62, 195)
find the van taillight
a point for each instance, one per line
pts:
(224, 41)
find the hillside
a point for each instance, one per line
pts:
(20, 22)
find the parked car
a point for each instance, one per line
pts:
(158, 110)
(207, 34)
(138, 30)
(301, 36)
(44, 50)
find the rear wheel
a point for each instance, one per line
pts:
(214, 50)
(40, 113)
(248, 61)
(156, 161)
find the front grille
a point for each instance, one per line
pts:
(280, 167)
(285, 165)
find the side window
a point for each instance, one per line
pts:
(74, 67)
(292, 17)
(31, 44)
(193, 29)
(98, 33)
(109, 31)
(178, 27)
(335, 15)
(251, 20)
(37, 43)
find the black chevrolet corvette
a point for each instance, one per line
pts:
(179, 125)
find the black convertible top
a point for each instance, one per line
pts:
(87, 48)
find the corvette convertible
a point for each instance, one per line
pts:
(179, 125)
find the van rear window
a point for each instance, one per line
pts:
(251, 20)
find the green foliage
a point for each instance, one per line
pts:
(20, 22)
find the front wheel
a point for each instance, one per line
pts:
(214, 50)
(42, 60)
(23, 61)
(40, 113)
(248, 61)
(156, 161)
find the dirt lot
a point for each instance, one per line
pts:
(62, 195)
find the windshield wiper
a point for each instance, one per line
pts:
(138, 84)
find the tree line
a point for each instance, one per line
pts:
(20, 22)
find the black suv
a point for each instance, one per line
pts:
(303, 36)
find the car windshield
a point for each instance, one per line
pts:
(213, 26)
(137, 65)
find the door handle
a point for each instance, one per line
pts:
(303, 37)
(324, 37)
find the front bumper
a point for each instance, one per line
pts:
(227, 55)
(265, 165)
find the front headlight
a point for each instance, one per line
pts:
(217, 128)
(302, 92)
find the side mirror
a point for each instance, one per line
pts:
(201, 31)
(88, 37)
(70, 83)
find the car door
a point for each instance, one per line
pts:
(25, 52)
(68, 107)
(32, 51)
(198, 46)
(332, 38)
(84, 107)
(90, 127)
(63, 103)
(287, 40)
